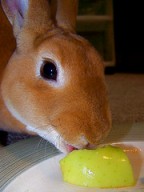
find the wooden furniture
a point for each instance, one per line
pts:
(95, 23)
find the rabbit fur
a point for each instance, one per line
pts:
(70, 108)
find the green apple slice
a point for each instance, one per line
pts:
(104, 167)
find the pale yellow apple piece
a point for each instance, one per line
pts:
(104, 167)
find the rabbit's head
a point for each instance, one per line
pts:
(54, 82)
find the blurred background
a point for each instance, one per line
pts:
(115, 28)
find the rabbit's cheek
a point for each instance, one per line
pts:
(50, 134)
(53, 137)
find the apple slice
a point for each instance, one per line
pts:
(104, 167)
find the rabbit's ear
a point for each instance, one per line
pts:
(15, 11)
(66, 14)
(32, 14)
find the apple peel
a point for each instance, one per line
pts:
(104, 167)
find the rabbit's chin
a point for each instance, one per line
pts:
(53, 137)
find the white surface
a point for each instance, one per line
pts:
(46, 176)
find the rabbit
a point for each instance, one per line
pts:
(54, 83)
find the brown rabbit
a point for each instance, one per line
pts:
(53, 85)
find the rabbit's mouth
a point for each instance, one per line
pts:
(67, 147)
(64, 146)
(57, 140)
(70, 148)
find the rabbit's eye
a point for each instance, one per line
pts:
(49, 71)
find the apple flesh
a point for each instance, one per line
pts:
(104, 167)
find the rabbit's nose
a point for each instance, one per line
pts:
(83, 141)
(90, 146)
(86, 144)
